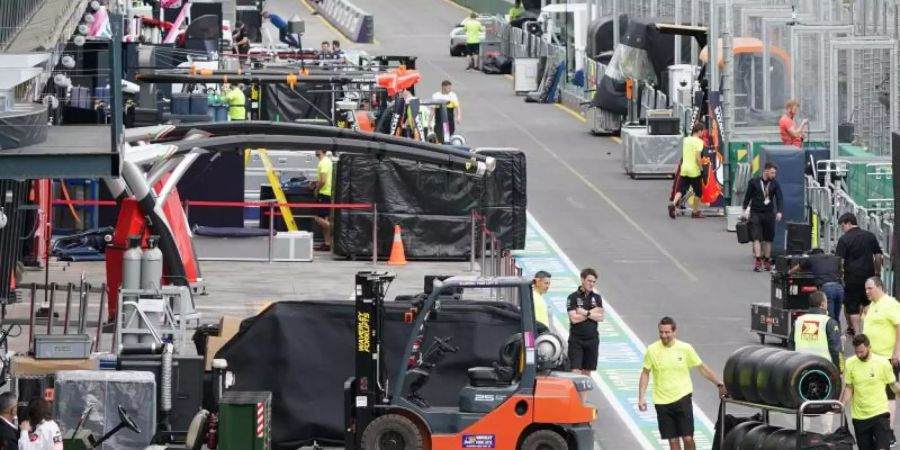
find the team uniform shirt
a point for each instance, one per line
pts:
(880, 325)
(325, 168)
(473, 31)
(784, 124)
(451, 99)
(587, 329)
(868, 379)
(46, 436)
(670, 368)
(691, 149)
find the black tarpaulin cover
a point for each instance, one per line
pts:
(25, 128)
(432, 206)
(303, 353)
(305, 101)
(505, 198)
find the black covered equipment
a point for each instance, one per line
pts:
(779, 377)
(432, 206)
(303, 352)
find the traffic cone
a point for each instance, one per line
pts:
(398, 256)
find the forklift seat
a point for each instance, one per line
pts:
(496, 376)
(501, 373)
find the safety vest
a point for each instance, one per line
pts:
(811, 335)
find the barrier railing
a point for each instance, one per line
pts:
(13, 15)
(356, 24)
(495, 261)
(827, 203)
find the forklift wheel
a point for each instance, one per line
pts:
(392, 432)
(545, 440)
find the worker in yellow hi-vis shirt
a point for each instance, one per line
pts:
(881, 323)
(323, 187)
(237, 102)
(541, 286)
(670, 361)
(473, 28)
(865, 378)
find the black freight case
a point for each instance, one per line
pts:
(791, 290)
(767, 320)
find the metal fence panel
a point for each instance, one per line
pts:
(864, 91)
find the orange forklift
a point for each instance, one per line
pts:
(520, 402)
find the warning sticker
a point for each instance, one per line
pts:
(478, 441)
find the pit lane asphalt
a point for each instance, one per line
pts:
(649, 265)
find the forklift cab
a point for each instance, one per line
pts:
(516, 403)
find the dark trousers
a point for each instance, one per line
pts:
(287, 38)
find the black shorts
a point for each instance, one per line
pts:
(694, 183)
(855, 297)
(583, 353)
(473, 49)
(676, 419)
(762, 226)
(890, 392)
(323, 212)
(873, 433)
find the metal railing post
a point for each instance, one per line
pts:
(271, 228)
(493, 264)
(374, 234)
(472, 247)
(483, 248)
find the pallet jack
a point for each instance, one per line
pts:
(518, 403)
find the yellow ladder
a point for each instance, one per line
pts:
(276, 189)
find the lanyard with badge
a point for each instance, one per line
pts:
(765, 190)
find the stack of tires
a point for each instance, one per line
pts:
(780, 378)
(754, 435)
(777, 377)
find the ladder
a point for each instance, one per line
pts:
(276, 189)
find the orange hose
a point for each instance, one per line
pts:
(65, 191)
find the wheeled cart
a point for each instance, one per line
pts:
(808, 408)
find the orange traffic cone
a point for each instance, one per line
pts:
(398, 256)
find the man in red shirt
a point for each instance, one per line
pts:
(791, 134)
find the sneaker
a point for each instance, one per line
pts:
(758, 265)
(893, 440)
(851, 332)
(697, 215)
(671, 210)
(768, 264)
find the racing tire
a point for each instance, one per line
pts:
(754, 438)
(766, 388)
(729, 377)
(781, 439)
(736, 435)
(750, 365)
(806, 377)
(392, 432)
(544, 440)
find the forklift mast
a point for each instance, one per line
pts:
(368, 385)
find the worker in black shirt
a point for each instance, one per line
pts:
(585, 309)
(861, 254)
(826, 270)
(763, 204)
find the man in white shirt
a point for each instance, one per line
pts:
(454, 112)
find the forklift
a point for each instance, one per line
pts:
(518, 403)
